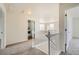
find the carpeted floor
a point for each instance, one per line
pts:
(24, 48)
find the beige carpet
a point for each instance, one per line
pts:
(24, 48)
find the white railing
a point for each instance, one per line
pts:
(52, 42)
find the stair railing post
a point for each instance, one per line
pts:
(48, 42)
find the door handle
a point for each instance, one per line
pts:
(1, 32)
(65, 29)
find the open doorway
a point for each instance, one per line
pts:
(31, 29)
(72, 33)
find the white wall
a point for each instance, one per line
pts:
(16, 26)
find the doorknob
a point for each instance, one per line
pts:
(65, 29)
(1, 32)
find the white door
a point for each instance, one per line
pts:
(69, 31)
(73, 30)
(1, 28)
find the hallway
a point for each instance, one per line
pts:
(23, 48)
